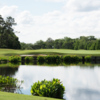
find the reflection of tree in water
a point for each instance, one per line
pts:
(11, 88)
(10, 84)
(8, 71)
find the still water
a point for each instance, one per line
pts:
(81, 83)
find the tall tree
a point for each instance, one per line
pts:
(49, 43)
(8, 39)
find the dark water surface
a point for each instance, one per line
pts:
(81, 83)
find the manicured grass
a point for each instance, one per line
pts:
(9, 52)
(12, 96)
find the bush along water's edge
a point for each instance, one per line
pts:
(53, 88)
(49, 59)
(29, 59)
(52, 59)
(8, 83)
(14, 59)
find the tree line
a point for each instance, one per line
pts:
(83, 42)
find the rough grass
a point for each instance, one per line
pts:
(12, 96)
(9, 52)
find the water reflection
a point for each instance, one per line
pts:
(82, 82)
(8, 71)
(83, 94)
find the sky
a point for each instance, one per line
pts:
(41, 19)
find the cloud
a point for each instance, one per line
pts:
(52, 0)
(55, 24)
(6, 11)
(24, 18)
(55, 0)
(84, 5)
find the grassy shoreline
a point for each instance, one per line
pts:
(13, 96)
(9, 52)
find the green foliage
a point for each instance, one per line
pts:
(41, 59)
(28, 59)
(75, 58)
(66, 58)
(3, 58)
(46, 88)
(13, 65)
(97, 47)
(14, 59)
(83, 42)
(88, 58)
(8, 39)
(49, 59)
(71, 59)
(52, 59)
(8, 82)
(57, 59)
(28, 46)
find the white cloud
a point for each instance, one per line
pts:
(56, 24)
(55, 0)
(82, 5)
(24, 18)
(52, 0)
(6, 11)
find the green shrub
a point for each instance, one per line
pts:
(41, 59)
(28, 59)
(71, 59)
(52, 59)
(75, 59)
(56, 59)
(14, 64)
(48, 59)
(88, 58)
(45, 88)
(9, 82)
(67, 59)
(2, 58)
(14, 59)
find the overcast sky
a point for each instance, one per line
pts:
(41, 19)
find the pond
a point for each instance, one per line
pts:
(81, 82)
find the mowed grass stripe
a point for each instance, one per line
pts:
(49, 51)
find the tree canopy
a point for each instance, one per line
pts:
(8, 39)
